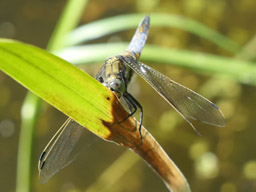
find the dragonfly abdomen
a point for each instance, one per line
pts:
(140, 37)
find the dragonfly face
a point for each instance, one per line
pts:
(116, 74)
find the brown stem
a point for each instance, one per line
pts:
(127, 134)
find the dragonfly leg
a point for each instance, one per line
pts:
(132, 107)
(131, 101)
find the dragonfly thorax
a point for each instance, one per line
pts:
(116, 75)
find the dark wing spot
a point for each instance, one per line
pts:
(42, 156)
(42, 166)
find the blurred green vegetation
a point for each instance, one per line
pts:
(223, 159)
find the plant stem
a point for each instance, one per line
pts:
(67, 22)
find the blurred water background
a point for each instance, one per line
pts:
(222, 159)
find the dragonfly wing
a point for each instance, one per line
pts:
(63, 148)
(65, 145)
(188, 103)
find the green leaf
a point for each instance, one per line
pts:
(68, 20)
(115, 24)
(86, 101)
(61, 84)
(241, 71)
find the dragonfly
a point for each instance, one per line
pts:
(116, 74)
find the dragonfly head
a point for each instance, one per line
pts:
(116, 85)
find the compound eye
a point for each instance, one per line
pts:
(101, 80)
(114, 85)
(117, 85)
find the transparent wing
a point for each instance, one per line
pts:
(188, 103)
(63, 148)
(65, 145)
